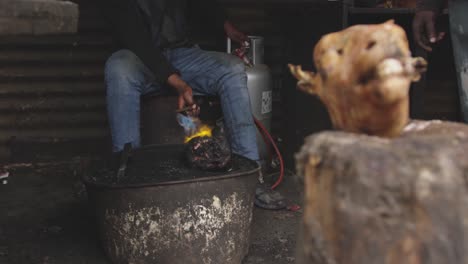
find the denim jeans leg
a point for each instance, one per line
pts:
(221, 74)
(127, 78)
(458, 11)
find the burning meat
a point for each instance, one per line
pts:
(206, 148)
(209, 152)
(363, 77)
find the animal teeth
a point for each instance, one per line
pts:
(389, 67)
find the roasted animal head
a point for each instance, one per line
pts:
(363, 77)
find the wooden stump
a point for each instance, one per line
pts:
(370, 200)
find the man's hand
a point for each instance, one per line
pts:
(233, 33)
(185, 93)
(424, 29)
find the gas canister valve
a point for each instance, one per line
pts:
(4, 177)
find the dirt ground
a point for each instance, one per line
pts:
(44, 220)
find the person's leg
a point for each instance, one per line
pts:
(458, 11)
(127, 78)
(221, 74)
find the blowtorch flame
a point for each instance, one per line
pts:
(203, 131)
(193, 127)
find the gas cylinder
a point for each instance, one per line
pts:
(259, 83)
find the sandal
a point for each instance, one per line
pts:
(269, 199)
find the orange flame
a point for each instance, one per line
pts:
(203, 131)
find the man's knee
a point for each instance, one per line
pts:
(123, 64)
(234, 64)
(233, 73)
(233, 77)
(227, 64)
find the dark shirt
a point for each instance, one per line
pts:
(433, 5)
(146, 27)
(170, 30)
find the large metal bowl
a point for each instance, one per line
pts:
(201, 220)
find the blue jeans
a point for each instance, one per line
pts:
(208, 73)
(458, 11)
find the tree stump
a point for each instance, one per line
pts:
(370, 200)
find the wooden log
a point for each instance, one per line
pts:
(370, 200)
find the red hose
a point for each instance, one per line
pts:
(265, 133)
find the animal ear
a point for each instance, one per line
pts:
(307, 80)
(390, 22)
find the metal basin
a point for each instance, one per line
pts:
(196, 220)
